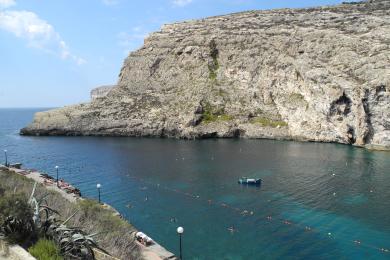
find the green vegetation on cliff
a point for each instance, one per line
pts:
(214, 114)
(268, 122)
(45, 249)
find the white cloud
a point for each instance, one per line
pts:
(38, 33)
(6, 3)
(109, 2)
(181, 2)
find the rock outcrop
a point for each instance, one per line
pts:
(316, 74)
(101, 92)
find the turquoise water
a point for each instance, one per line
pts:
(318, 201)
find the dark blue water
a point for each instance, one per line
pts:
(318, 201)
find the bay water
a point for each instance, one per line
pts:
(317, 200)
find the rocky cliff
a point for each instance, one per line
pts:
(318, 74)
(101, 92)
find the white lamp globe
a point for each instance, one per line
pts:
(56, 167)
(180, 230)
(98, 186)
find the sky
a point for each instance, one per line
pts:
(53, 52)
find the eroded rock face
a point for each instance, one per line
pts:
(319, 74)
(101, 92)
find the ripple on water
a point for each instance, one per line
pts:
(340, 229)
(355, 199)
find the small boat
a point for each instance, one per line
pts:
(249, 181)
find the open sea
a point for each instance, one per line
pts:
(317, 201)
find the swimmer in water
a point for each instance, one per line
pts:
(244, 213)
(231, 229)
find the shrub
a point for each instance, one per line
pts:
(212, 114)
(296, 97)
(106, 218)
(45, 249)
(210, 117)
(213, 71)
(15, 205)
(16, 219)
(214, 65)
(298, 100)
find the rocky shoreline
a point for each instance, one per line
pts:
(314, 74)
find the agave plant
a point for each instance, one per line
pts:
(42, 211)
(22, 218)
(17, 230)
(38, 216)
(73, 242)
(16, 219)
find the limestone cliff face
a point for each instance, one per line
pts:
(101, 92)
(320, 74)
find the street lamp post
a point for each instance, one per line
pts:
(57, 174)
(180, 231)
(98, 186)
(6, 158)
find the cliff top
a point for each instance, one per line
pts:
(300, 16)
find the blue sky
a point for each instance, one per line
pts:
(53, 52)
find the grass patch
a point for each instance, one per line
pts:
(107, 220)
(211, 114)
(45, 249)
(213, 68)
(296, 97)
(258, 111)
(214, 65)
(208, 118)
(15, 205)
(268, 122)
(219, 92)
(16, 219)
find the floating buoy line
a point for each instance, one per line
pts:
(247, 212)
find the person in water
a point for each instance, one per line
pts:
(232, 229)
